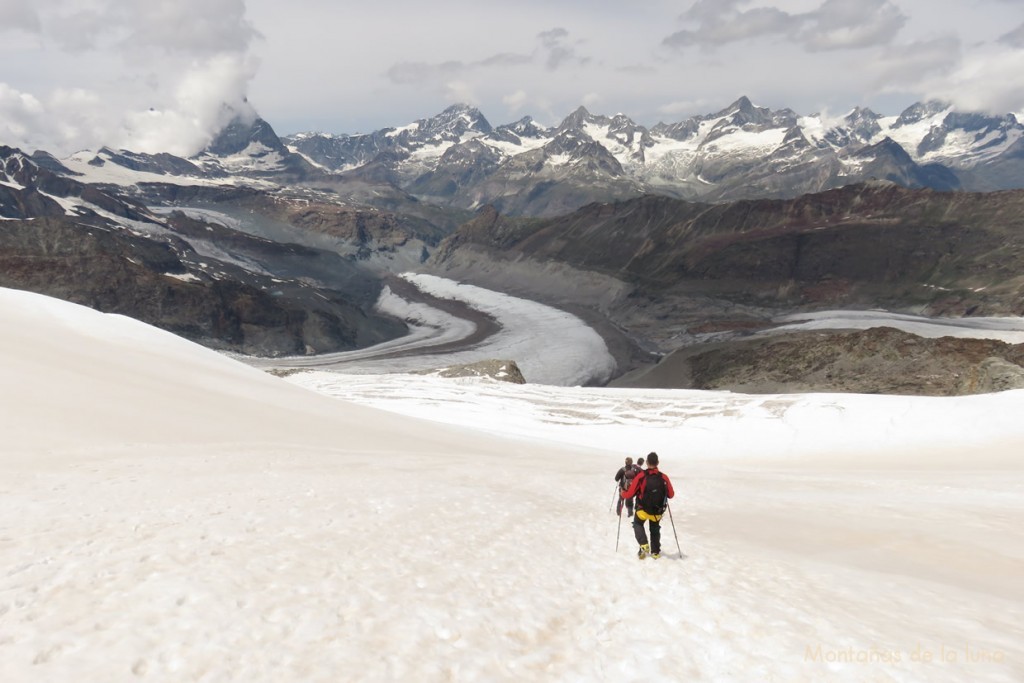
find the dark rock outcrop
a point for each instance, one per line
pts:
(116, 272)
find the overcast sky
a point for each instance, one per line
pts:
(156, 75)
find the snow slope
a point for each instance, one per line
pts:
(169, 514)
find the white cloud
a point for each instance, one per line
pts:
(419, 73)
(591, 99)
(462, 92)
(206, 98)
(20, 113)
(687, 107)
(1014, 38)
(559, 51)
(987, 79)
(19, 15)
(515, 101)
(834, 25)
(724, 24)
(78, 115)
(194, 27)
(67, 119)
(849, 24)
(554, 52)
(906, 67)
(467, 81)
(179, 67)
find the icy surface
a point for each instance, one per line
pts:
(1009, 330)
(550, 346)
(113, 174)
(169, 514)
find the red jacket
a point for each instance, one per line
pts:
(637, 487)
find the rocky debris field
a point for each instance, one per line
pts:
(879, 360)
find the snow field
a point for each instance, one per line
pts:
(265, 564)
(168, 514)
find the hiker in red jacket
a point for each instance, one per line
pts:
(652, 490)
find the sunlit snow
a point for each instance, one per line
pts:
(170, 514)
(114, 174)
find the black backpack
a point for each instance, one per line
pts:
(653, 497)
(627, 476)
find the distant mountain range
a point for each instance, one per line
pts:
(458, 160)
(740, 152)
(663, 239)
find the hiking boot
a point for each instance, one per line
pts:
(643, 552)
(655, 555)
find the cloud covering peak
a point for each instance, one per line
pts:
(153, 77)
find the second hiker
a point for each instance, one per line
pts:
(625, 477)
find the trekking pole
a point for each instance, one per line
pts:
(614, 496)
(669, 508)
(618, 531)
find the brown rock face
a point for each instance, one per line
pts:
(866, 245)
(501, 370)
(875, 361)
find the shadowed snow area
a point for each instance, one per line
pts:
(170, 514)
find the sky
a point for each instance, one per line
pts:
(165, 75)
(169, 513)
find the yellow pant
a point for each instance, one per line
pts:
(648, 517)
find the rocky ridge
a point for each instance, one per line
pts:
(80, 243)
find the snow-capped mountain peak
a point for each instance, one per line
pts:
(740, 151)
(15, 166)
(453, 124)
(922, 111)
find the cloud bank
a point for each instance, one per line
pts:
(462, 80)
(163, 76)
(835, 25)
(958, 64)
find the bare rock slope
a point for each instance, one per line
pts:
(880, 360)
